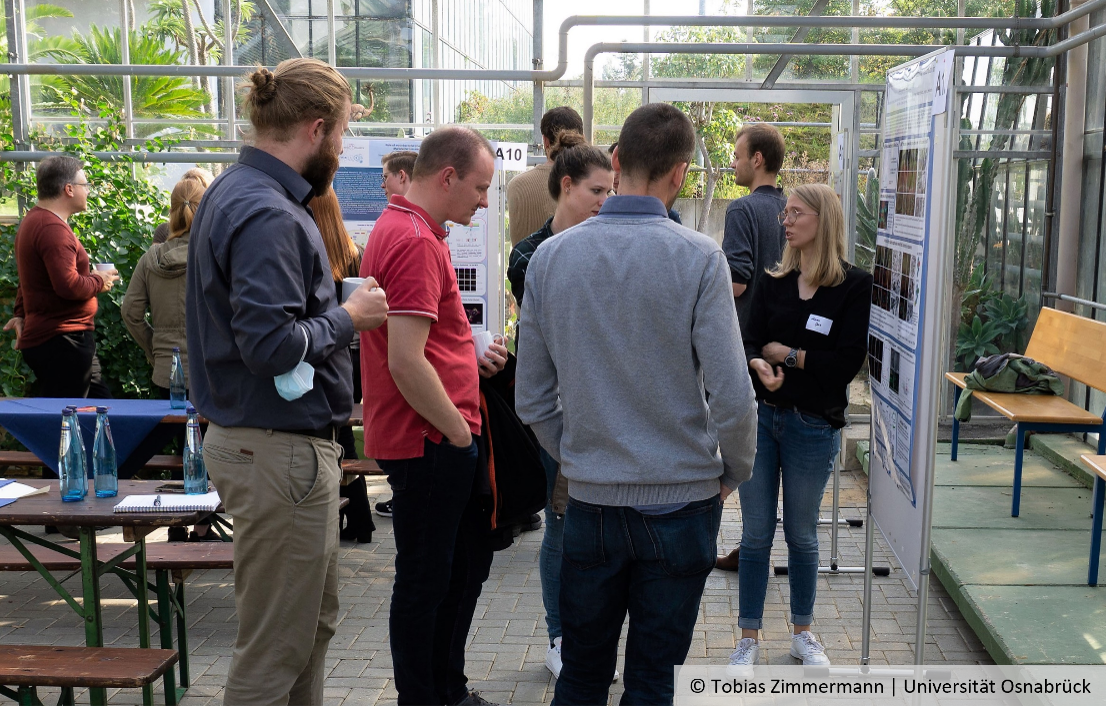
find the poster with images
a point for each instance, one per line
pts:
(909, 231)
(474, 247)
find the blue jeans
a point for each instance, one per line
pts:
(549, 563)
(654, 567)
(443, 556)
(798, 447)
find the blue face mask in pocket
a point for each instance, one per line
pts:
(298, 381)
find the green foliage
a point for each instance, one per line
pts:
(867, 219)
(976, 340)
(39, 44)
(118, 226)
(167, 23)
(151, 96)
(991, 321)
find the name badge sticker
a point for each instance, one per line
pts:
(819, 324)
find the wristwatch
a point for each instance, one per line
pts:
(792, 358)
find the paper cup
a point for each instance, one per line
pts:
(349, 284)
(104, 266)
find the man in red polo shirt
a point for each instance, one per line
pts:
(422, 416)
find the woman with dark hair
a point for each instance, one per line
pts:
(356, 520)
(580, 180)
(807, 339)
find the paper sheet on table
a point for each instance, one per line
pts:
(14, 490)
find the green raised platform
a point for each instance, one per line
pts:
(1020, 581)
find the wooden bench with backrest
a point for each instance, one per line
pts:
(171, 563)
(30, 666)
(1097, 465)
(1071, 345)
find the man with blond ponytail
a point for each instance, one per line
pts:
(261, 305)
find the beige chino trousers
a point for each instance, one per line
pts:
(282, 491)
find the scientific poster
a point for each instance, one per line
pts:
(908, 230)
(474, 248)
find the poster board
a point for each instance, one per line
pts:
(906, 338)
(476, 249)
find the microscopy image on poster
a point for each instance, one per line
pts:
(897, 288)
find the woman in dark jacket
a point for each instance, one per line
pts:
(807, 338)
(356, 521)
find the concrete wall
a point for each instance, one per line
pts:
(689, 210)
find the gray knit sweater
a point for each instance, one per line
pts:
(627, 327)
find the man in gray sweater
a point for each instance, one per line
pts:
(628, 329)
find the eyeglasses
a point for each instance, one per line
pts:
(792, 215)
(85, 184)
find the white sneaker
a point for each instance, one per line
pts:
(806, 647)
(553, 658)
(744, 658)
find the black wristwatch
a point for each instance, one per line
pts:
(792, 358)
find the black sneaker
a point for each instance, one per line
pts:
(534, 523)
(475, 699)
(384, 509)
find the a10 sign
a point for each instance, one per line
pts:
(510, 156)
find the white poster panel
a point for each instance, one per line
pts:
(905, 336)
(474, 248)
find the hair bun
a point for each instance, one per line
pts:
(565, 139)
(264, 85)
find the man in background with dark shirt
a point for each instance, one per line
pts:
(55, 304)
(261, 302)
(753, 240)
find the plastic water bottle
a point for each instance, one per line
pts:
(195, 473)
(104, 470)
(178, 393)
(73, 484)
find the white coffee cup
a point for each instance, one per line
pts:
(349, 284)
(104, 266)
(483, 341)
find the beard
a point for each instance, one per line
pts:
(321, 168)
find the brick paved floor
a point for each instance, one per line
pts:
(507, 650)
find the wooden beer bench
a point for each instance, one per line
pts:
(171, 562)
(1071, 345)
(30, 666)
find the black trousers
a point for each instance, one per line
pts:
(67, 366)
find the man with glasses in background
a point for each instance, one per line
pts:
(397, 172)
(55, 304)
(753, 240)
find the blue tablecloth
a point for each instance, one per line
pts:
(36, 423)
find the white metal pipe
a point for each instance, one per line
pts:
(1071, 174)
(125, 55)
(228, 82)
(677, 20)
(331, 40)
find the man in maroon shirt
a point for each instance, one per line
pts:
(422, 416)
(55, 305)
